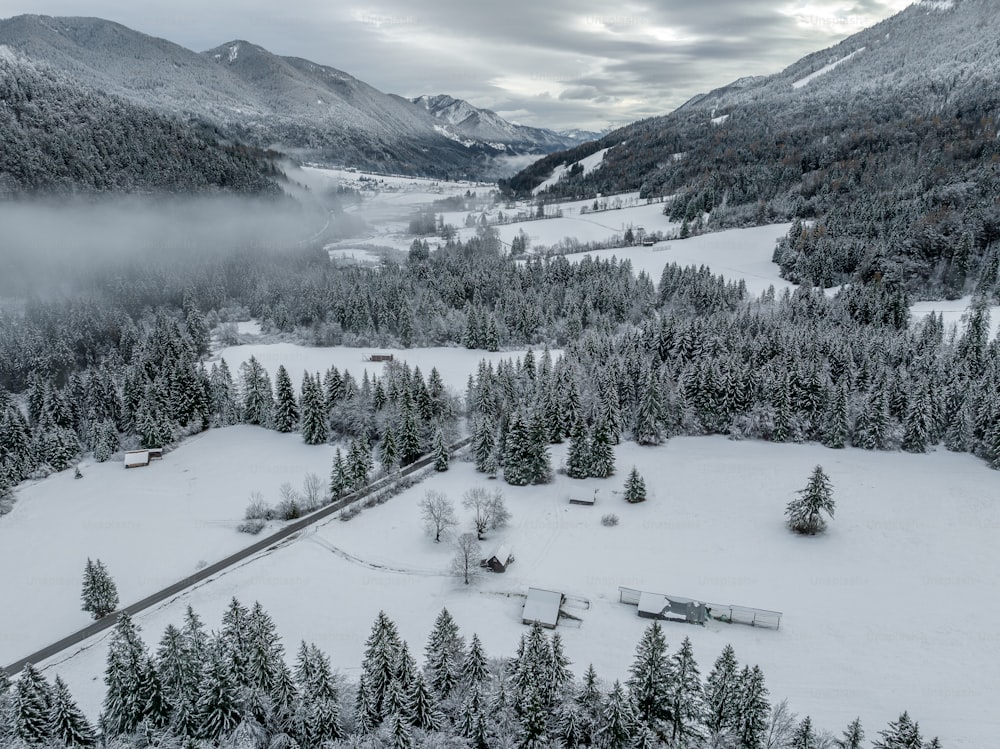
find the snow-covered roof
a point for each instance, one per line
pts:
(502, 554)
(652, 603)
(136, 458)
(542, 606)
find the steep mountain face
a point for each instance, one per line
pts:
(252, 95)
(885, 146)
(60, 138)
(467, 122)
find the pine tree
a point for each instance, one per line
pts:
(475, 666)
(836, 425)
(618, 721)
(517, 468)
(902, 733)
(379, 665)
(804, 513)
(648, 429)
(578, 457)
(258, 399)
(804, 736)
(339, 480)
(33, 707)
(68, 723)
(315, 428)
(125, 674)
(425, 713)
(218, 701)
(484, 446)
(721, 694)
(853, 736)
(752, 708)
(602, 453)
(473, 724)
(590, 702)
(560, 677)
(409, 440)
(388, 450)
(650, 681)
(635, 487)
(533, 719)
(687, 709)
(286, 410)
(440, 451)
(444, 655)
(100, 595)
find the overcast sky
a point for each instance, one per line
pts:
(553, 63)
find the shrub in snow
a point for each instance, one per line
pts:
(258, 509)
(609, 520)
(252, 526)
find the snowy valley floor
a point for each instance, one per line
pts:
(890, 610)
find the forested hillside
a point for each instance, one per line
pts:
(59, 137)
(891, 156)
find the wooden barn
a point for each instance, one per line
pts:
(500, 561)
(584, 499)
(379, 358)
(657, 606)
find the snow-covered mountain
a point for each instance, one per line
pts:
(886, 141)
(257, 97)
(468, 122)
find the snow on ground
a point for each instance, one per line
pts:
(734, 254)
(953, 313)
(150, 526)
(589, 164)
(453, 364)
(596, 226)
(720, 119)
(891, 610)
(355, 254)
(825, 69)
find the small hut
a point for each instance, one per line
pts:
(657, 606)
(378, 358)
(500, 561)
(542, 607)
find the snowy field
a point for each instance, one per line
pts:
(588, 163)
(453, 364)
(953, 313)
(889, 611)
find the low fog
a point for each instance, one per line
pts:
(47, 246)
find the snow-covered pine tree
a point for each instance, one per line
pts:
(425, 713)
(443, 655)
(560, 677)
(475, 666)
(618, 720)
(722, 694)
(312, 406)
(379, 665)
(440, 451)
(836, 421)
(902, 733)
(578, 457)
(804, 736)
(359, 463)
(410, 447)
(219, 695)
(805, 512)
(602, 452)
(484, 445)
(648, 427)
(590, 702)
(258, 398)
(286, 410)
(752, 708)
(635, 487)
(68, 723)
(124, 704)
(33, 701)
(473, 725)
(853, 736)
(651, 681)
(533, 719)
(339, 480)
(388, 450)
(687, 707)
(100, 595)
(517, 458)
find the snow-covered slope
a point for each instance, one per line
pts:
(825, 69)
(587, 164)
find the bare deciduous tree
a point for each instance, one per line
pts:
(489, 508)
(438, 513)
(313, 492)
(465, 563)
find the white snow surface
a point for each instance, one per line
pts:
(890, 610)
(825, 69)
(589, 164)
(953, 312)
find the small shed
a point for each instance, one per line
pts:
(380, 357)
(137, 458)
(542, 606)
(657, 606)
(584, 499)
(500, 561)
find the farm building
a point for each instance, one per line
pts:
(380, 357)
(500, 561)
(657, 606)
(141, 458)
(542, 607)
(584, 499)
